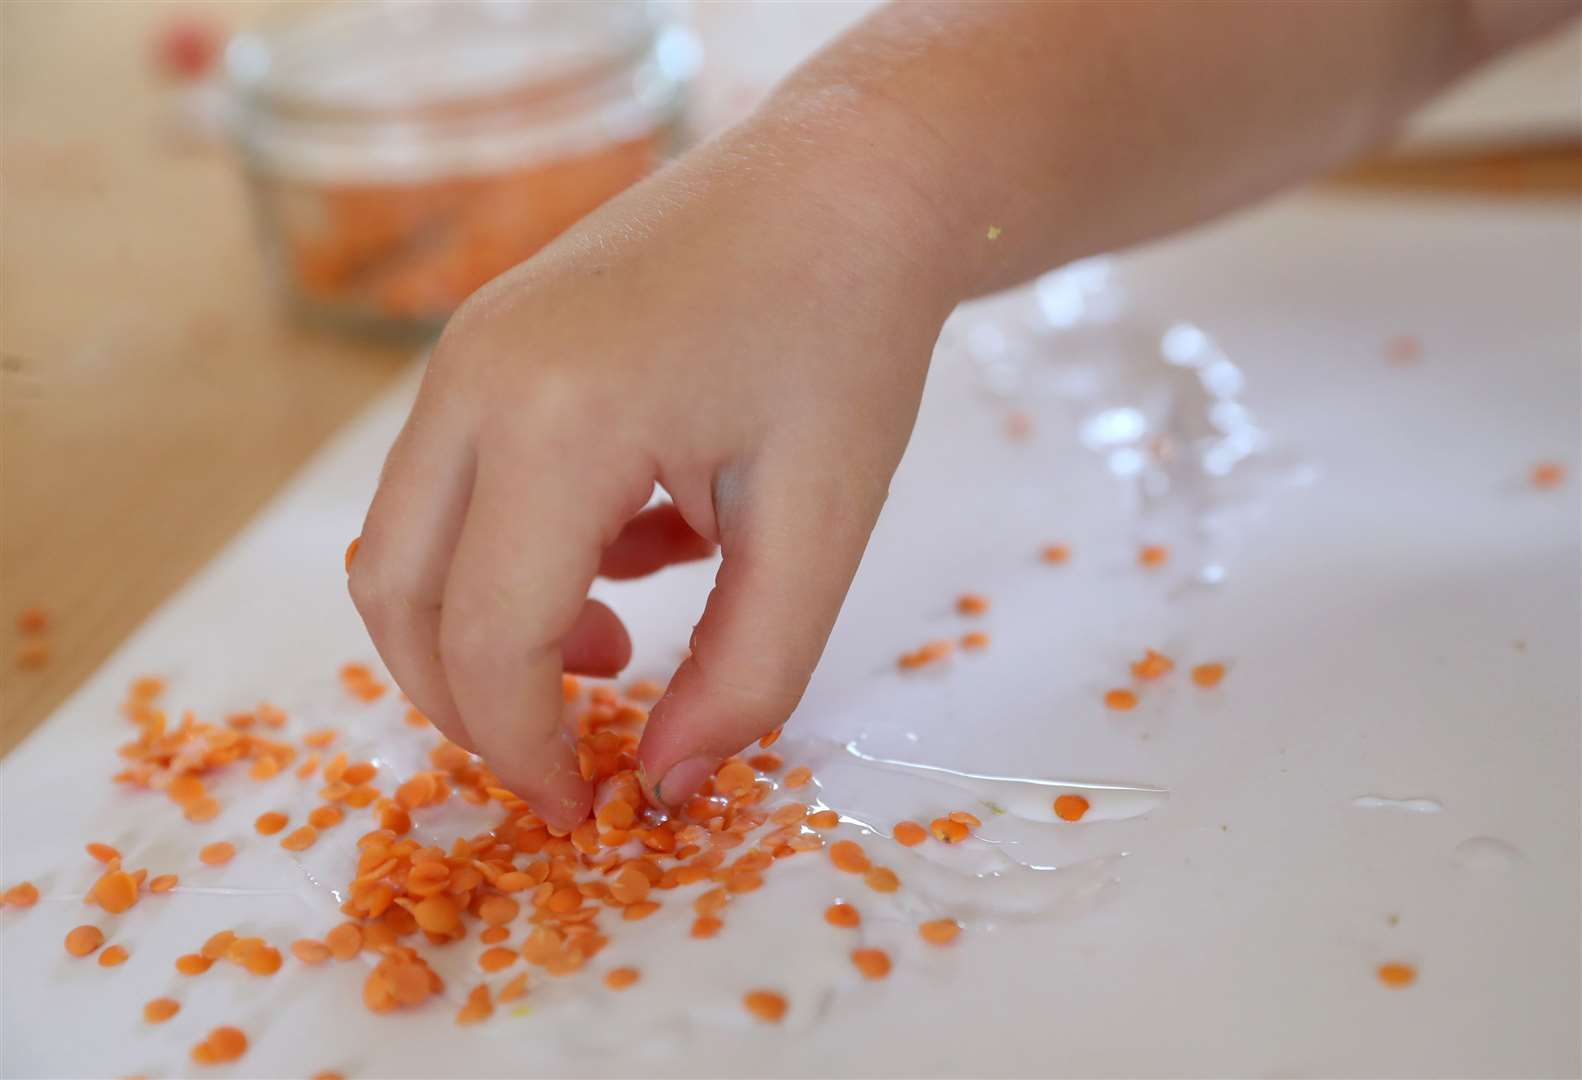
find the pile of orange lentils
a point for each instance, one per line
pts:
(537, 899)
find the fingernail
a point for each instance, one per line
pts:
(684, 779)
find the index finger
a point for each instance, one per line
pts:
(528, 550)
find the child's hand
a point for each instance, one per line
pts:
(725, 333)
(752, 328)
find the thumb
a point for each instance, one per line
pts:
(789, 557)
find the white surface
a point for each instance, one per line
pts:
(1407, 627)
(1535, 93)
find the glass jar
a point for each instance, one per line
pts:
(403, 153)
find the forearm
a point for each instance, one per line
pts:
(1069, 128)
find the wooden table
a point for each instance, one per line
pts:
(152, 394)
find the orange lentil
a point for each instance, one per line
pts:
(201, 810)
(971, 604)
(301, 839)
(1153, 555)
(1403, 349)
(1070, 807)
(309, 951)
(513, 989)
(706, 926)
(263, 960)
(766, 1005)
(216, 854)
(641, 910)
(848, 855)
(797, 778)
(32, 655)
(1397, 975)
(1547, 475)
(1120, 700)
(494, 935)
(733, 777)
(909, 833)
(23, 894)
(33, 620)
(842, 915)
(439, 914)
(645, 690)
(224, 1044)
(345, 941)
(974, 641)
(83, 940)
(319, 739)
(965, 817)
(823, 819)
(947, 831)
(939, 931)
(873, 963)
(161, 1009)
(1208, 675)
(271, 822)
(769, 740)
(163, 883)
(116, 891)
(477, 1008)
(193, 964)
(1153, 665)
(620, 978)
(882, 879)
(103, 852)
(1055, 553)
(496, 959)
(325, 817)
(114, 956)
(328, 1076)
(351, 551)
(218, 944)
(766, 762)
(499, 910)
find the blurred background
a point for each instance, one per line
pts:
(225, 228)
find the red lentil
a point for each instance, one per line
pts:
(217, 854)
(1397, 975)
(1547, 475)
(1153, 555)
(1208, 675)
(848, 855)
(1153, 665)
(270, 822)
(975, 641)
(882, 879)
(24, 894)
(873, 963)
(939, 931)
(224, 1044)
(909, 833)
(114, 956)
(161, 1009)
(351, 551)
(193, 964)
(103, 852)
(620, 978)
(163, 883)
(971, 604)
(947, 831)
(1120, 700)
(766, 1005)
(83, 940)
(842, 915)
(1070, 807)
(1055, 553)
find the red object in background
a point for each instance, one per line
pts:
(186, 47)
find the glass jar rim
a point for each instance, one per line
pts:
(287, 68)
